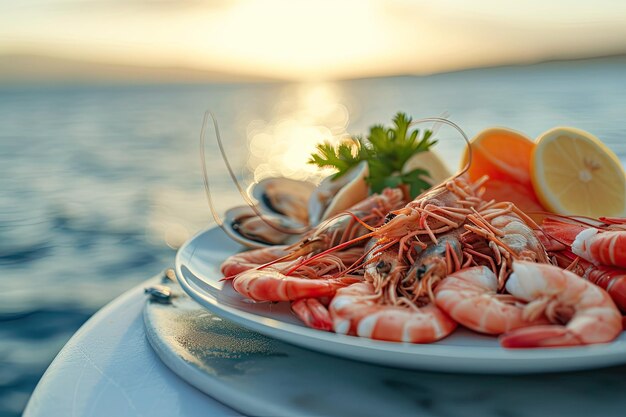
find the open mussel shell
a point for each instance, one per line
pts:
(243, 225)
(284, 196)
(332, 197)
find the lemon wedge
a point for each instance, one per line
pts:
(574, 173)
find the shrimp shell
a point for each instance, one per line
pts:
(271, 285)
(601, 247)
(470, 297)
(354, 311)
(583, 313)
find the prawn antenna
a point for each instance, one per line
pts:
(205, 175)
(218, 138)
(444, 120)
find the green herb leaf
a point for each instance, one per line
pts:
(415, 180)
(386, 150)
(343, 157)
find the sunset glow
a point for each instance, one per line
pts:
(312, 40)
(282, 147)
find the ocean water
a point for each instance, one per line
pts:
(100, 184)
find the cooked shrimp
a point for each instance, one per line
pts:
(384, 270)
(349, 225)
(271, 285)
(254, 258)
(288, 273)
(316, 279)
(598, 245)
(583, 313)
(438, 210)
(517, 232)
(498, 235)
(609, 278)
(601, 247)
(431, 265)
(379, 309)
(356, 310)
(470, 297)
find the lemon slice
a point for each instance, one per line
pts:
(432, 163)
(574, 173)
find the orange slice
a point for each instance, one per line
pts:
(504, 155)
(574, 173)
(501, 153)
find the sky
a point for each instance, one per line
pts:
(321, 39)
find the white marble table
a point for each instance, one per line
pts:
(109, 369)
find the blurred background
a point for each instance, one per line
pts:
(101, 105)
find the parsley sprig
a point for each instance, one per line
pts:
(386, 150)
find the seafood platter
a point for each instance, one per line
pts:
(516, 262)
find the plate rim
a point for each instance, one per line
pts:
(539, 360)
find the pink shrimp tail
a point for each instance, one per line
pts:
(256, 258)
(539, 336)
(230, 271)
(313, 313)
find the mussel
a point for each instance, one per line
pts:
(245, 226)
(288, 207)
(284, 196)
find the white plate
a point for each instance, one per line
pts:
(197, 267)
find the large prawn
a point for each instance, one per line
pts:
(441, 209)
(499, 234)
(311, 280)
(344, 227)
(494, 239)
(470, 296)
(600, 244)
(582, 312)
(292, 275)
(609, 278)
(373, 309)
(593, 249)
(418, 246)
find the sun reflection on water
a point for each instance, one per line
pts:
(308, 115)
